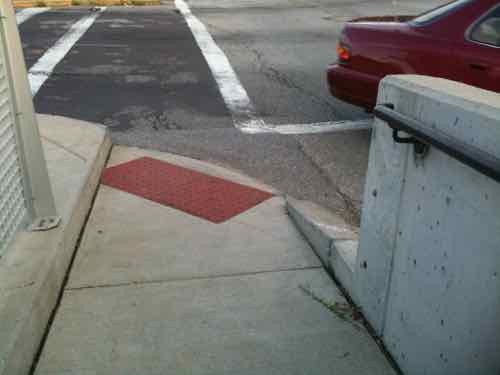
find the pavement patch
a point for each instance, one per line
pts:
(211, 198)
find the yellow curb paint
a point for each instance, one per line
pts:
(57, 3)
(99, 2)
(27, 4)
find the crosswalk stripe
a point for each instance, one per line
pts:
(313, 128)
(43, 68)
(25, 14)
(234, 94)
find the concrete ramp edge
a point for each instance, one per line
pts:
(333, 240)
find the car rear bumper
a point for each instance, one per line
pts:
(353, 86)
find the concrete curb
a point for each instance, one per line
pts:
(334, 241)
(34, 268)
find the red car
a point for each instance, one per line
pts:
(458, 41)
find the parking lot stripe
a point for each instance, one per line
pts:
(43, 68)
(313, 128)
(26, 14)
(230, 87)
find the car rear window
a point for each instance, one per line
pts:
(439, 12)
(487, 31)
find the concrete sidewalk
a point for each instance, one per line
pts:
(32, 270)
(155, 290)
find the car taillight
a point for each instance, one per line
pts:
(343, 53)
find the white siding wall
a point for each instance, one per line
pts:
(13, 209)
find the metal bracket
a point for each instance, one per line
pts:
(420, 149)
(399, 139)
(42, 224)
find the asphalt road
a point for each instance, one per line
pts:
(139, 71)
(280, 49)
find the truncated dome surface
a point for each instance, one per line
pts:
(195, 193)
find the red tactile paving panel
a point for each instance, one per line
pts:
(196, 193)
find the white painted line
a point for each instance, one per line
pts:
(43, 68)
(314, 128)
(230, 87)
(25, 14)
(235, 96)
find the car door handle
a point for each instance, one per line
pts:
(479, 66)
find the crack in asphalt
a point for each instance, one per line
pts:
(281, 78)
(288, 82)
(351, 212)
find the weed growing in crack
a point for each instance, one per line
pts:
(342, 310)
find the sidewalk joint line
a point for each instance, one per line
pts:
(195, 278)
(68, 150)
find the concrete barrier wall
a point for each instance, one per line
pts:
(428, 265)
